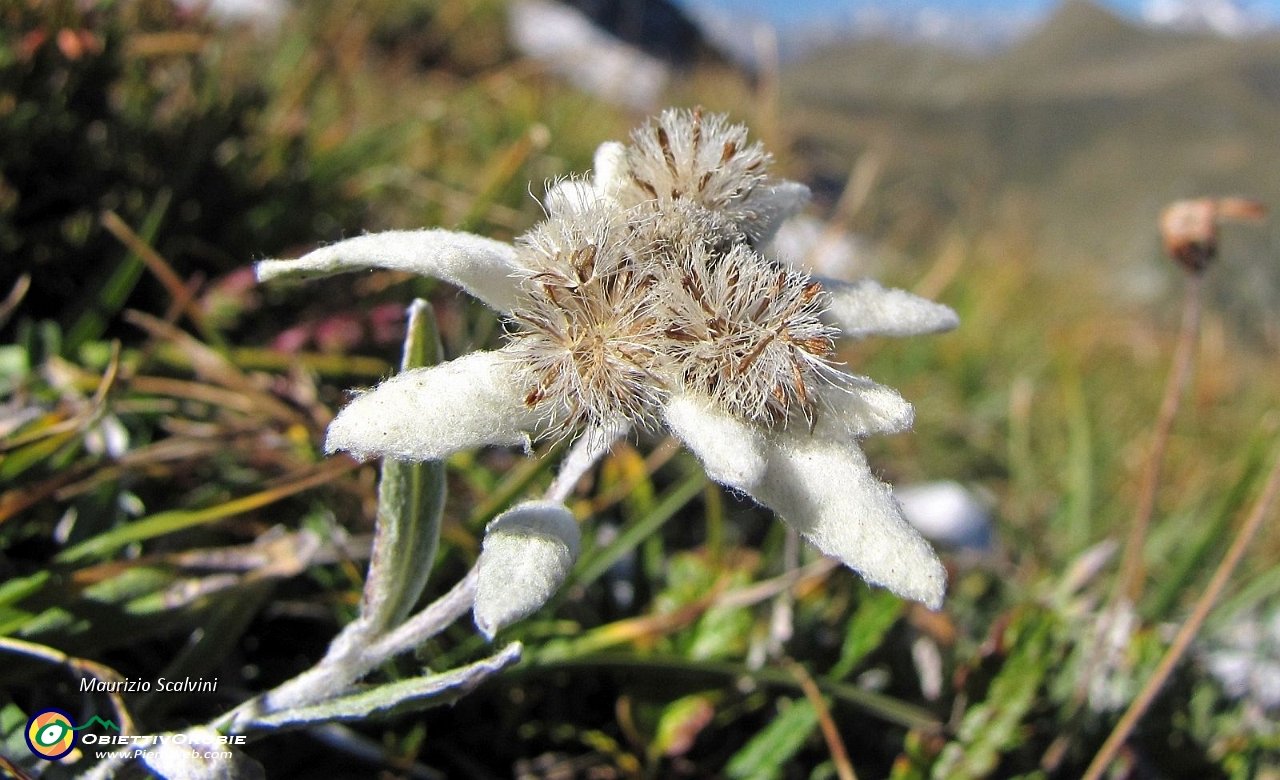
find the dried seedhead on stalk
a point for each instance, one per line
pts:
(1189, 228)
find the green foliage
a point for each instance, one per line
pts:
(124, 108)
(995, 726)
(769, 751)
(877, 613)
(410, 502)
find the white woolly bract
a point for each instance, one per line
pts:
(746, 334)
(867, 308)
(825, 490)
(731, 449)
(570, 196)
(771, 204)
(526, 556)
(481, 266)
(431, 413)
(589, 340)
(856, 406)
(610, 169)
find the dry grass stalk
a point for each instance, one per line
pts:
(1188, 630)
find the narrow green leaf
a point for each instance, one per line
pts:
(139, 589)
(500, 497)
(1207, 530)
(721, 633)
(13, 727)
(263, 359)
(679, 725)
(418, 693)
(410, 503)
(663, 667)
(37, 452)
(222, 630)
(115, 291)
(1258, 590)
(179, 519)
(765, 755)
(598, 563)
(14, 620)
(19, 588)
(877, 613)
(1077, 511)
(993, 727)
(15, 365)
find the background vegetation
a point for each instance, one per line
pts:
(166, 510)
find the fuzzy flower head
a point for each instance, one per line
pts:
(686, 156)
(682, 154)
(644, 300)
(748, 335)
(588, 336)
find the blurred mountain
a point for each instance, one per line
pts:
(974, 26)
(1083, 130)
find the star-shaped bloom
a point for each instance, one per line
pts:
(644, 300)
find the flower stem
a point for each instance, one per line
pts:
(348, 661)
(839, 755)
(426, 624)
(1132, 569)
(592, 445)
(1131, 578)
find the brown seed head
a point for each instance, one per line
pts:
(748, 334)
(702, 159)
(1189, 228)
(587, 328)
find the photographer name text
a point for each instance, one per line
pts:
(186, 684)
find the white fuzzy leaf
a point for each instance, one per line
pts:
(571, 196)
(611, 168)
(859, 407)
(481, 266)
(866, 308)
(825, 490)
(412, 695)
(772, 204)
(431, 413)
(527, 554)
(822, 486)
(731, 449)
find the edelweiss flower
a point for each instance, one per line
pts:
(643, 300)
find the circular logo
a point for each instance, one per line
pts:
(50, 734)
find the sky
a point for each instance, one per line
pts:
(788, 14)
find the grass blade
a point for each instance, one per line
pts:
(177, 520)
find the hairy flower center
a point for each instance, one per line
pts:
(588, 332)
(683, 154)
(749, 335)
